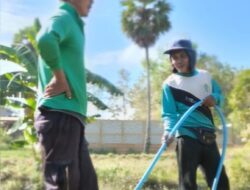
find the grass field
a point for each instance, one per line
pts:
(19, 171)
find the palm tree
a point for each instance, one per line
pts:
(144, 21)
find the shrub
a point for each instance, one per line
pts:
(5, 140)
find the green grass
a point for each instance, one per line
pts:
(19, 171)
(124, 171)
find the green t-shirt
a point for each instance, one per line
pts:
(61, 46)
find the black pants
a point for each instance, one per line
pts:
(66, 160)
(191, 154)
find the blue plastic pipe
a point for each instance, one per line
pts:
(224, 147)
(171, 134)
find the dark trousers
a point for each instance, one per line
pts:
(66, 160)
(191, 154)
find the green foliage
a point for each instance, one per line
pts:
(27, 35)
(25, 123)
(240, 103)
(103, 83)
(92, 118)
(245, 133)
(222, 73)
(160, 69)
(120, 107)
(240, 94)
(239, 168)
(24, 54)
(5, 139)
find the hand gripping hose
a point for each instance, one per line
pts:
(171, 134)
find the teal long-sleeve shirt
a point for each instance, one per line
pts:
(180, 92)
(61, 47)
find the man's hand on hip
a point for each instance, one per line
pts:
(58, 85)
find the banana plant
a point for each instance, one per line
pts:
(19, 85)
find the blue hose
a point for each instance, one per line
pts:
(171, 134)
(224, 147)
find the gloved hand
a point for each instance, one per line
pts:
(165, 138)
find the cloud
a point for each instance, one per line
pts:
(129, 57)
(16, 14)
(13, 16)
(109, 63)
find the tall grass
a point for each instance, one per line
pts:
(18, 170)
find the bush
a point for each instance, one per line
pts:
(239, 168)
(5, 140)
(245, 134)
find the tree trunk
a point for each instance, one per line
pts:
(148, 123)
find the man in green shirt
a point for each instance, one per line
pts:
(62, 100)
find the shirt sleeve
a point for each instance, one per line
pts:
(217, 93)
(49, 40)
(169, 112)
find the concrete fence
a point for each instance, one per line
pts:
(127, 135)
(124, 135)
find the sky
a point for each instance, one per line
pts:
(219, 28)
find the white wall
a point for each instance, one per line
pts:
(124, 135)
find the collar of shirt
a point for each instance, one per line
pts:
(193, 73)
(72, 11)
